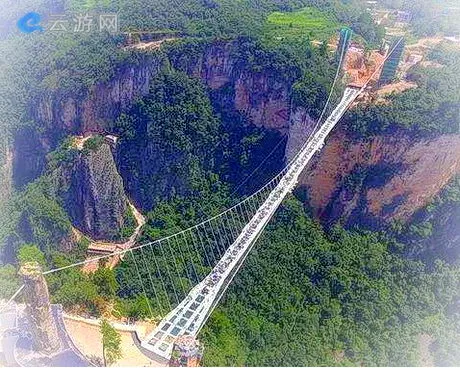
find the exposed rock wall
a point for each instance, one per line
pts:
(394, 176)
(408, 173)
(38, 310)
(301, 125)
(62, 114)
(96, 110)
(262, 95)
(93, 193)
(29, 156)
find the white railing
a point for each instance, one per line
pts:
(191, 314)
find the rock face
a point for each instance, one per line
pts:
(6, 171)
(93, 112)
(367, 182)
(60, 115)
(261, 94)
(376, 181)
(38, 310)
(93, 193)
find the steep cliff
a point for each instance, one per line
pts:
(367, 182)
(95, 110)
(92, 191)
(375, 181)
(259, 92)
(251, 91)
(237, 82)
(60, 114)
(261, 96)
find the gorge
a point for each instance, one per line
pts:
(399, 183)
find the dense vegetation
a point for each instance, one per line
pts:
(222, 18)
(32, 64)
(340, 298)
(332, 299)
(168, 140)
(230, 147)
(34, 216)
(67, 64)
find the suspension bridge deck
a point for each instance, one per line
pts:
(191, 314)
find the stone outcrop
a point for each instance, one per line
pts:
(407, 173)
(394, 175)
(301, 125)
(38, 310)
(93, 194)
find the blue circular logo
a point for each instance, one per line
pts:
(30, 23)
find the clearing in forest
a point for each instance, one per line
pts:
(307, 22)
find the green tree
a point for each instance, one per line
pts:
(31, 253)
(111, 343)
(72, 288)
(168, 140)
(136, 308)
(9, 282)
(105, 281)
(76, 290)
(336, 298)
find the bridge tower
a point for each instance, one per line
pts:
(390, 65)
(344, 43)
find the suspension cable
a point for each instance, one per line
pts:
(256, 193)
(142, 285)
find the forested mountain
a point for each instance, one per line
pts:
(359, 267)
(340, 298)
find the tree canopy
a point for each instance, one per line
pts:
(331, 299)
(111, 343)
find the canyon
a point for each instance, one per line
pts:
(399, 174)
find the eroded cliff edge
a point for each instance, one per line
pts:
(367, 182)
(377, 180)
(91, 190)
